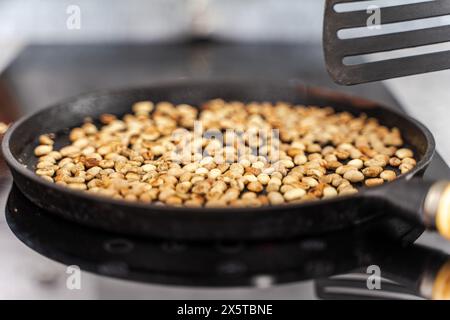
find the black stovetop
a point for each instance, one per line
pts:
(300, 268)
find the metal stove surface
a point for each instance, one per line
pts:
(118, 267)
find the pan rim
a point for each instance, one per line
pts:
(29, 174)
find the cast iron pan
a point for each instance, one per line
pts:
(420, 201)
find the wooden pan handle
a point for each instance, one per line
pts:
(437, 208)
(441, 285)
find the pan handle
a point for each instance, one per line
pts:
(435, 284)
(437, 207)
(424, 202)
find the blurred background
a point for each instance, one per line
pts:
(277, 26)
(45, 21)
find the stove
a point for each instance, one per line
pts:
(40, 252)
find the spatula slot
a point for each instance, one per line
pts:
(391, 28)
(396, 54)
(346, 6)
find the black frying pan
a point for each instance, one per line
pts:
(420, 201)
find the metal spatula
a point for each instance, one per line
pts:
(336, 49)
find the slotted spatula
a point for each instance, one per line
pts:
(336, 49)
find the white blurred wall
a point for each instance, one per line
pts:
(159, 20)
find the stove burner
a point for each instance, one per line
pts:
(386, 241)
